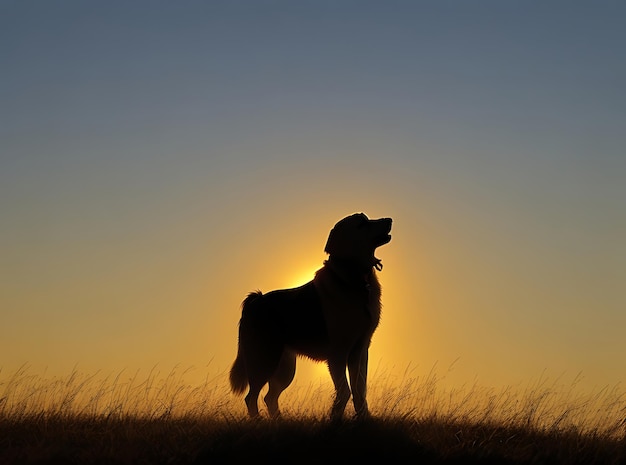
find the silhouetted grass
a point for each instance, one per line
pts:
(127, 419)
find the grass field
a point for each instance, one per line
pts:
(154, 419)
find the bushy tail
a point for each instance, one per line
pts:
(238, 373)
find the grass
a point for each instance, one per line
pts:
(133, 418)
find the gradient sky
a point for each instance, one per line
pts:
(158, 160)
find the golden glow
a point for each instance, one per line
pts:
(302, 277)
(311, 372)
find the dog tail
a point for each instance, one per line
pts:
(238, 373)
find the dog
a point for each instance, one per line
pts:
(331, 318)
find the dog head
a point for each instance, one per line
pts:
(356, 237)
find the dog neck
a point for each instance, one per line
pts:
(353, 273)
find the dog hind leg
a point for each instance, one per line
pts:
(280, 380)
(261, 364)
(252, 398)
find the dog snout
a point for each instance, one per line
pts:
(386, 222)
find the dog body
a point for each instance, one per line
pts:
(332, 318)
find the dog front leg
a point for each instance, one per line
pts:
(357, 366)
(337, 368)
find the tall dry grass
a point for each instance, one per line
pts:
(542, 405)
(84, 417)
(151, 395)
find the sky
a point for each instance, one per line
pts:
(159, 160)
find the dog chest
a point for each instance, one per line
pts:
(349, 311)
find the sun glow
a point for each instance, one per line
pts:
(311, 372)
(301, 277)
